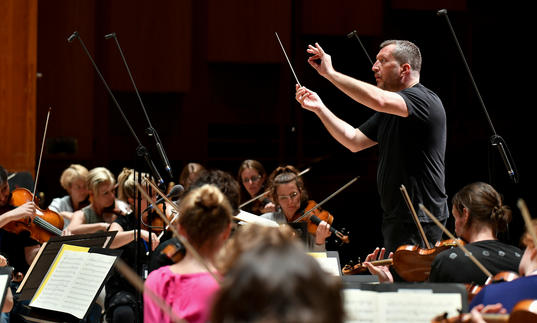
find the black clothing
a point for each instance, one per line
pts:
(453, 266)
(159, 258)
(119, 292)
(12, 247)
(397, 233)
(411, 152)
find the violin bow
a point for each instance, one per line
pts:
(41, 153)
(266, 192)
(138, 283)
(326, 199)
(446, 231)
(527, 219)
(176, 234)
(414, 215)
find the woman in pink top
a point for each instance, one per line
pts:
(187, 286)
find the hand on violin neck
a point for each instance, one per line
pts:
(323, 232)
(382, 272)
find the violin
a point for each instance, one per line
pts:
(313, 214)
(410, 262)
(46, 223)
(523, 312)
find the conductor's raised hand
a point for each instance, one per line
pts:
(308, 99)
(319, 60)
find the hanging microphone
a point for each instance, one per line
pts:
(355, 35)
(495, 140)
(72, 37)
(174, 192)
(441, 12)
(150, 130)
(351, 34)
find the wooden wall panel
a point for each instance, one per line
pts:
(341, 17)
(243, 30)
(67, 84)
(156, 39)
(18, 52)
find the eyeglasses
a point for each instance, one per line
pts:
(252, 179)
(285, 198)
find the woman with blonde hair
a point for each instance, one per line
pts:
(73, 180)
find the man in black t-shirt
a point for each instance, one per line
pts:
(409, 127)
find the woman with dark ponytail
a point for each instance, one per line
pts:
(479, 215)
(188, 286)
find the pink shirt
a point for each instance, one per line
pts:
(189, 295)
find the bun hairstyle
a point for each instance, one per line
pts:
(205, 213)
(284, 175)
(485, 206)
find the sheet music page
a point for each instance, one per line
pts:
(415, 307)
(360, 306)
(4, 284)
(330, 265)
(376, 307)
(73, 281)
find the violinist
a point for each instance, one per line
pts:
(253, 177)
(226, 183)
(95, 217)
(291, 198)
(189, 173)
(479, 215)
(525, 287)
(73, 180)
(120, 301)
(18, 248)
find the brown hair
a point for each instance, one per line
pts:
(278, 283)
(205, 213)
(190, 169)
(284, 175)
(249, 235)
(484, 205)
(405, 52)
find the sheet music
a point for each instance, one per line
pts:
(73, 281)
(376, 307)
(4, 284)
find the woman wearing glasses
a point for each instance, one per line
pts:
(253, 177)
(291, 198)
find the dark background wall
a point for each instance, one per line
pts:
(218, 90)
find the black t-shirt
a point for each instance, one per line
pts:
(453, 266)
(411, 152)
(12, 247)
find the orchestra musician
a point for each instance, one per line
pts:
(188, 286)
(18, 248)
(253, 177)
(73, 180)
(508, 294)
(275, 280)
(291, 198)
(96, 216)
(479, 215)
(409, 126)
(189, 174)
(226, 184)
